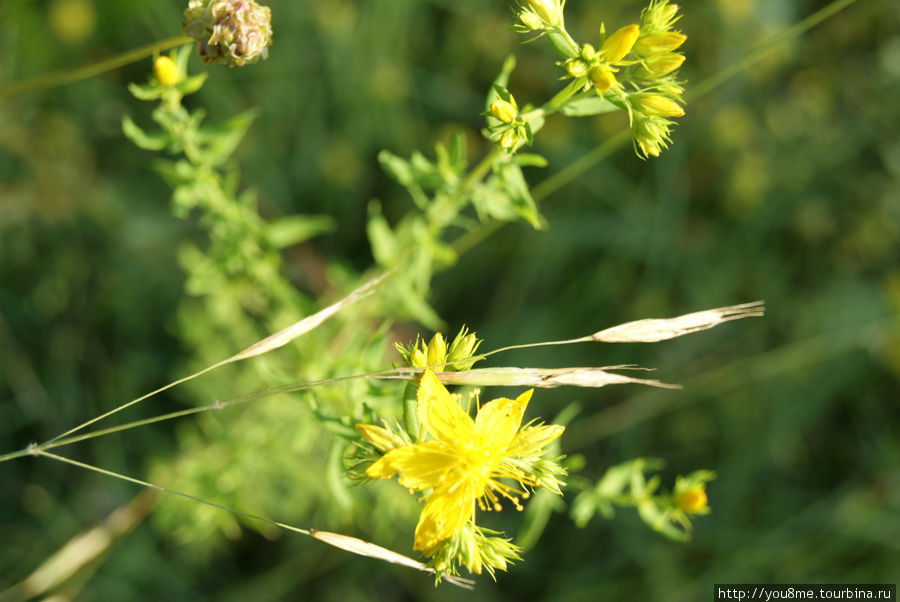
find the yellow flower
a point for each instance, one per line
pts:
(466, 460)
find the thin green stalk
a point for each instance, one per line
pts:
(137, 400)
(68, 76)
(734, 69)
(123, 477)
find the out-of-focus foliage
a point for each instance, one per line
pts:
(783, 184)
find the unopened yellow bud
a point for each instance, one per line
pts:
(576, 68)
(656, 104)
(603, 78)
(620, 43)
(508, 139)
(503, 110)
(658, 66)
(670, 89)
(547, 10)
(693, 500)
(165, 71)
(380, 438)
(531, 20)
(660, 43)
(418, 358)
(437, 351)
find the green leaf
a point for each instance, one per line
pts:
(294, 229)
(191, 84)
(520, 196)
(221, 141)
(381, 237)
(145, 91)
(458, 159)
(530, 160)
(587, 105)
(156, 141)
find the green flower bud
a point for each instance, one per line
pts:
(659, 17)
(576, 68)
(232, 32)
(462, 348)
(509, 139)
(650, 134)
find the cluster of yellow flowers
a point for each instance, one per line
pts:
(634, 69)
(636, 65)
(465, 465)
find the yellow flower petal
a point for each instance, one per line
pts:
(448, 508)
(420, 466)
(440, 413)
(498, 420)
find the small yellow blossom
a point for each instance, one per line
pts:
(693, 500)
(466, 460)
(165, 70)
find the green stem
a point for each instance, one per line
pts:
(123, 477)
(553, 105)
(563, 43)
(68, 76)
(734, 69)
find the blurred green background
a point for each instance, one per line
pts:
(783, 184)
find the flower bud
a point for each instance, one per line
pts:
(659, 17)
(656, 104)
(531, 20)
(503, 110)
(692, 500)
(576, 68)
(620, 43)
(509, 139)
(436, 354)
(659, 43)
(650, 134)
(603, 78)
(380, 438)
(232, 32)
(654, 67)
(547, 10)
(165, 70)
(418, 358)
(462, 348)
